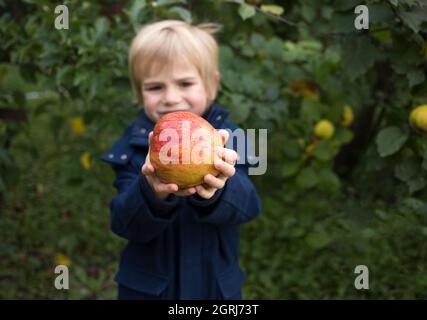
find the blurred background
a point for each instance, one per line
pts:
(347, 160)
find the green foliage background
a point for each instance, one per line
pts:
(358, 198)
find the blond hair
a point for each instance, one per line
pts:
(164, 41)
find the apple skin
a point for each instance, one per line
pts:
(186, 173)
(418, 118)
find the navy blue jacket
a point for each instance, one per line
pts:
(182, 247)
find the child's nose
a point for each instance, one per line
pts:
(172, 96)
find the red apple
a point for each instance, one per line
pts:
(182, 149)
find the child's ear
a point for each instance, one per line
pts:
(217, 79)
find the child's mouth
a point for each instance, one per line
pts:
(162, 113)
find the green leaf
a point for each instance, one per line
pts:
(327, 12)
(406, 170)
(368, 233)
(325, 150)
(416, 184)
(318, 240)
(409, 205)
(134, 10)
(273, 9)
(265, 114)
(415, 77)
(383, 36)
(249, 84)
(424, 163)
(101, 26)
(359, 55)
(272, 93)
(342, 22)
(231, 80)
(63, 74)
(167, 2)
(246, 11)
(328, 181)
(274, 48)
(344, 136)
(257, 40)
(292, 149)
(239, 109)
(226, 55)
(290, 168)
(80, 77)
(248, 51)
(343, 5)
(310, 110)
(307, 178)
(308, 12)
(378, 13)
(389, 140)
(184, 14)
(414, 19)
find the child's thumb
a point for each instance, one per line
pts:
(150, 137)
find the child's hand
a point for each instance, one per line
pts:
(161, 189)
(224, 164)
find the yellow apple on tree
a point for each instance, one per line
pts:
(418, 118)
(324, 129)
(347, 116)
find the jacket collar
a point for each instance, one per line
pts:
(215, 115)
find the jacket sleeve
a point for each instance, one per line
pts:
(238, 202)
(136, 212)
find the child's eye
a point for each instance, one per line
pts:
(155, 88)
(186, 84)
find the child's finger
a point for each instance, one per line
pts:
(225, 168)
(171, 187)
(224, 135)
(163, 187)
(228, 155)
(186, 192)
(147, 169)
(215, 182)
(205, 192)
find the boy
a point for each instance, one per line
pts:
(183, 244)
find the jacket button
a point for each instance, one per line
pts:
(123, 157)
(111, 156)
(218, 118)
(143, 130)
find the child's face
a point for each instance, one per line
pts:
(177, 89)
